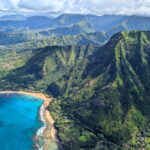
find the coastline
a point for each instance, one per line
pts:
(49, 132)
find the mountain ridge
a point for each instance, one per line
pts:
(102, 94)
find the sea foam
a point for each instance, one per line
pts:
(41, 130)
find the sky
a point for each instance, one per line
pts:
(98, 7)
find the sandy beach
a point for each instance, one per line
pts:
(49, 133)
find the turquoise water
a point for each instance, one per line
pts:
(19, 121)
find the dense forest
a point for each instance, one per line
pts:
(101, 93)
(96, 69)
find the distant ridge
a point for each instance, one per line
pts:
(102, 93)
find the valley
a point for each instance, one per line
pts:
(95, 68)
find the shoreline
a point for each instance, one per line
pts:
(40, 131)
(49, 132)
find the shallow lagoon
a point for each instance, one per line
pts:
(19, 121)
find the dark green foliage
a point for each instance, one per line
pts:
(14, 38)
(101, 93)
(106, 95)
(98, 38)
(48, 65)
(83, 26)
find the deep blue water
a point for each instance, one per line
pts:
(19, 121)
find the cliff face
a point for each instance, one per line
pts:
(102, 92)
(106, 97)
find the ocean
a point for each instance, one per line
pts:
(19, 121)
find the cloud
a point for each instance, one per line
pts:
(99, 7)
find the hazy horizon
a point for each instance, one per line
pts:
(57, 15)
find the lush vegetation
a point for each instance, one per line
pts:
(70, 24)
(82, 27)
(101, 94)
(67, 29)
(45, 66)
(12, 24)
(14, 38)
(98, 38)
(105, 101)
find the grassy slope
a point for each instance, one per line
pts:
(107, 97)
(82, 27)
(47, 65)
(14, 56)
(16, 37)
(102, 92)
(97, 38)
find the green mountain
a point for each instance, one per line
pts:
(14, 38)
(68, 19)
(49, 64)
(64, 20)
(97, 38)
(83, 26)
(71, 24)
(102, 94)
(132, 23)
(40, 27)
(104, 101)
(12, 56)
